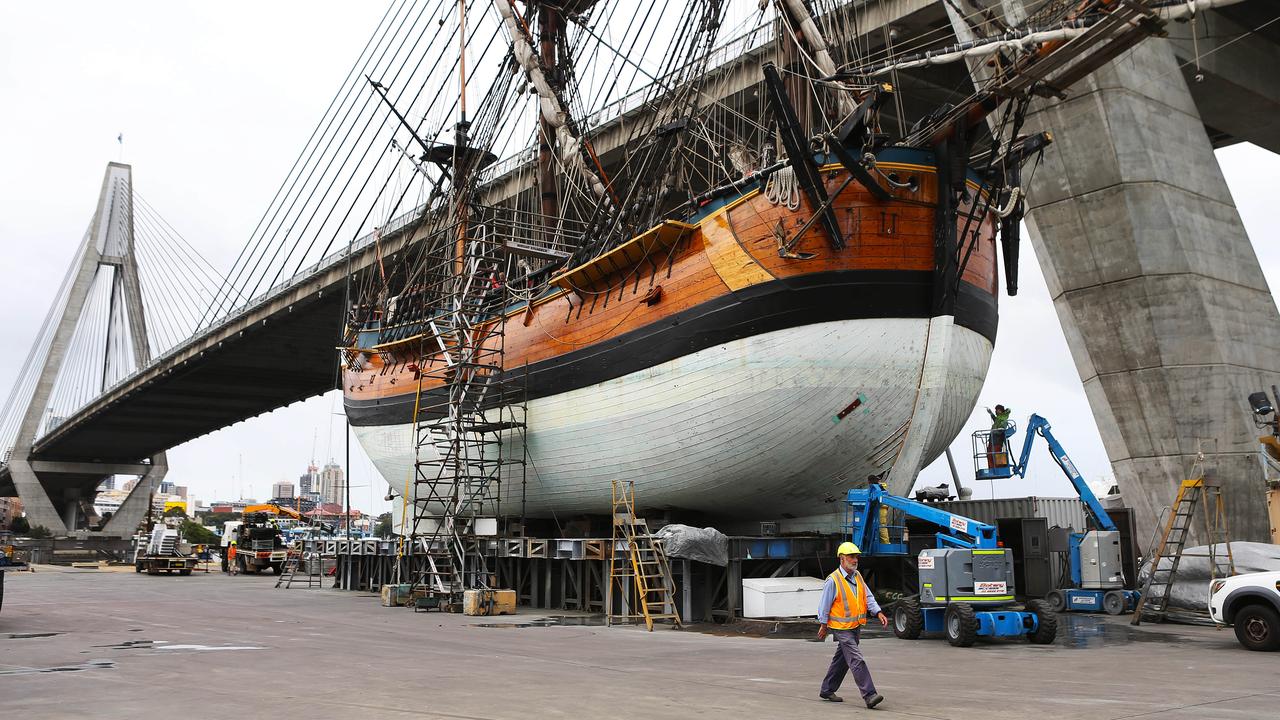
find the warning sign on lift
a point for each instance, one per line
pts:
(924, 562)
(989, 588)
(959, 524)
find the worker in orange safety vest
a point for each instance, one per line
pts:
(843, 609)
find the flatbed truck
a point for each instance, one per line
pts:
(163, 553)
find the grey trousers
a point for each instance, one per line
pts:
(848, 657)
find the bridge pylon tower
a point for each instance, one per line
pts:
(58, 493)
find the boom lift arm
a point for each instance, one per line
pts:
(867, 522)
(1037, 425)
(1094, 557)
(966, 583)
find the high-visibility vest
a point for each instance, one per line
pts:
(848, 609)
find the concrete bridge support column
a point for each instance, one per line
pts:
(134, 508)
(1159, 292)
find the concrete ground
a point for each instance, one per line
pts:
(101, 644)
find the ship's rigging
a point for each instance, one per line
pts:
(618, 125)
(678, 135)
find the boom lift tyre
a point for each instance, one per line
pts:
(1046, 623)
(908, 621)
(962, 624)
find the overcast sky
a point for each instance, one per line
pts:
(215, 101)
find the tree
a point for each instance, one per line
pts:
(383, 529)
(197, 534)
(175, 511)
(39, 531)
(20, 526)
(216, 519)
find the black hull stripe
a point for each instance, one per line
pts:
(759, 309)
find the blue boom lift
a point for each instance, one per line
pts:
(1097, 579)
(966, 583)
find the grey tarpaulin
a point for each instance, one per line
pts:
(707, 545)
(1191, 585)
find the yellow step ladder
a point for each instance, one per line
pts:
(1158, 588)
(638, 568)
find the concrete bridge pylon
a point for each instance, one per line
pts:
(59, 494)
(1157, 287)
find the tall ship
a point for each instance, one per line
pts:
(699, 246)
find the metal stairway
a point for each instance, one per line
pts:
(1193, 493)
(638, 568)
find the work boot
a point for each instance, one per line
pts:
(874, 700)
(831, 697)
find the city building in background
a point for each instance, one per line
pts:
(283, 490)
(333, 484)
(10, 509)
(309, 482)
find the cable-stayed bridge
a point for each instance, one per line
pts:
(122, 368)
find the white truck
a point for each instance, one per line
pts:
(1250, 603)
(163, 552)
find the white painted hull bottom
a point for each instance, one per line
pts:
(744, 429)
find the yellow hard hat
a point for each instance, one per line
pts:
(848, 548)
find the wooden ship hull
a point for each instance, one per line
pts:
(735, 362)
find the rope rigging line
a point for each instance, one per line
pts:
(351, 83)
(366, 105)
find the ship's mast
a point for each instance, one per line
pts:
(555, 115)
(550, 27)
(460, 155)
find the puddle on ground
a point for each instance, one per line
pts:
(87, 665)
(552, 621)
(166, 645)
(24, 636)
(131, 644)
(1090, 631)
(208, 647)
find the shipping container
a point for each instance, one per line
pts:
(1060, 512)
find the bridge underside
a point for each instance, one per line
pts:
(269, 364)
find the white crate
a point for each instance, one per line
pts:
(781, 597)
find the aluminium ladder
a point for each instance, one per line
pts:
(291, 566)
(1158, 588)
(638, 568)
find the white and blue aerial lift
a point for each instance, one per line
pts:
(1097, 577)
(966, 582)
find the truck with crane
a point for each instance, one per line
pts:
(966, 582)
(1094, 556)
(258, 542)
